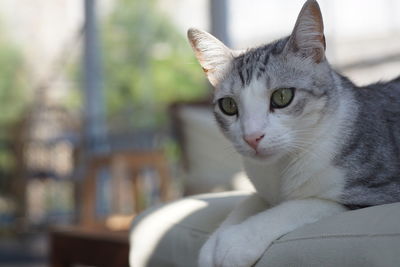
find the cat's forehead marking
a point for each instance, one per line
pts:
(253, 63)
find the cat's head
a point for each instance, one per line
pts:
(270, 100)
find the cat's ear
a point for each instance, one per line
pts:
(307, 38)
(213, 55)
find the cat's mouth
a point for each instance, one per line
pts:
(263, 158)
(261, 153)
(264, 155)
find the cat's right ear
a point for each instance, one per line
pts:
(307, 38)
(213, 55)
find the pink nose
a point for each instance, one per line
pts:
(253, 139)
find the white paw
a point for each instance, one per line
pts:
(206, 256)
(234, 246)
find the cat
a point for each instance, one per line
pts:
(313, 144)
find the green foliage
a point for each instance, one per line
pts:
(13, 96)
(147, 64)
(12, 83)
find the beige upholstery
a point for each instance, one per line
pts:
(172, 235)
(212, 161)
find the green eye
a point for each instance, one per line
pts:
(228, 106)
(282, 97)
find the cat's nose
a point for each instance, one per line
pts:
(253, 139)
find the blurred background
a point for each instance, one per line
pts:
(104, 110)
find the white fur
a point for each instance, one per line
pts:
(309, 173)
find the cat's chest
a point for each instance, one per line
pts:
(265, 179)
(285, 180)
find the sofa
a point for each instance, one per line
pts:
(172, 235)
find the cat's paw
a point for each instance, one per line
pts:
(234, 246)
(238, 246)
(206, 256)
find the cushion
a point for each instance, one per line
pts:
(364, 237)
(206, 151)
(172, 235)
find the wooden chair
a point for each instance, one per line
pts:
(134, 162)
(91, 242)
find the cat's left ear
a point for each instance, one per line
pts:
(307, 38)
(213, 55)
